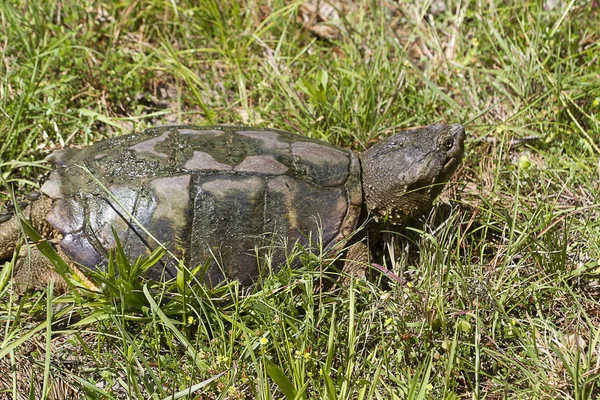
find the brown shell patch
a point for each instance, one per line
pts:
(264, 164)
(270, 140)
(293, 205)
(67, 215)
(325, 165)
(197, 132)
(106, 214)
(172, 196)
(227, 221)
(355, 200)
(201, 161)
(60, 157)
(148, 146)
(225, 188)
(53, 186)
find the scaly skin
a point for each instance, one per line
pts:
(356, 260)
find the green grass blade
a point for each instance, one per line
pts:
(282, 381)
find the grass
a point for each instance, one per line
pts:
(499, 301)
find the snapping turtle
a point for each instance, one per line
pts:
(223, 195)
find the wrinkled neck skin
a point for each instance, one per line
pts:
(404, 174)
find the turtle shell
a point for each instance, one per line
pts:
(217, 196)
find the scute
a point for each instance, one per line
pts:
(67, 215)
(201, 161)
(323, 165)
(221, 195)
(294, 205)
(149, 146)
(264, 164)
(227, 224)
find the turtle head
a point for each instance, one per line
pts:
(403, 175)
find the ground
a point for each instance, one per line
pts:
(493, 295)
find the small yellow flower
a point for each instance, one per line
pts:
(232, 391)
(307, 356)
(596, 102)
(264, 341)
(475, 42)
(524, 162)
(190, 320)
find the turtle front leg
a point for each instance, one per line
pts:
(357, 260)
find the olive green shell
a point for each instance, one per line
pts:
(217, 196)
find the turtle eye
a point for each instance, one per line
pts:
(448, 143)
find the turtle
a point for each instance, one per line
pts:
(232, 199)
